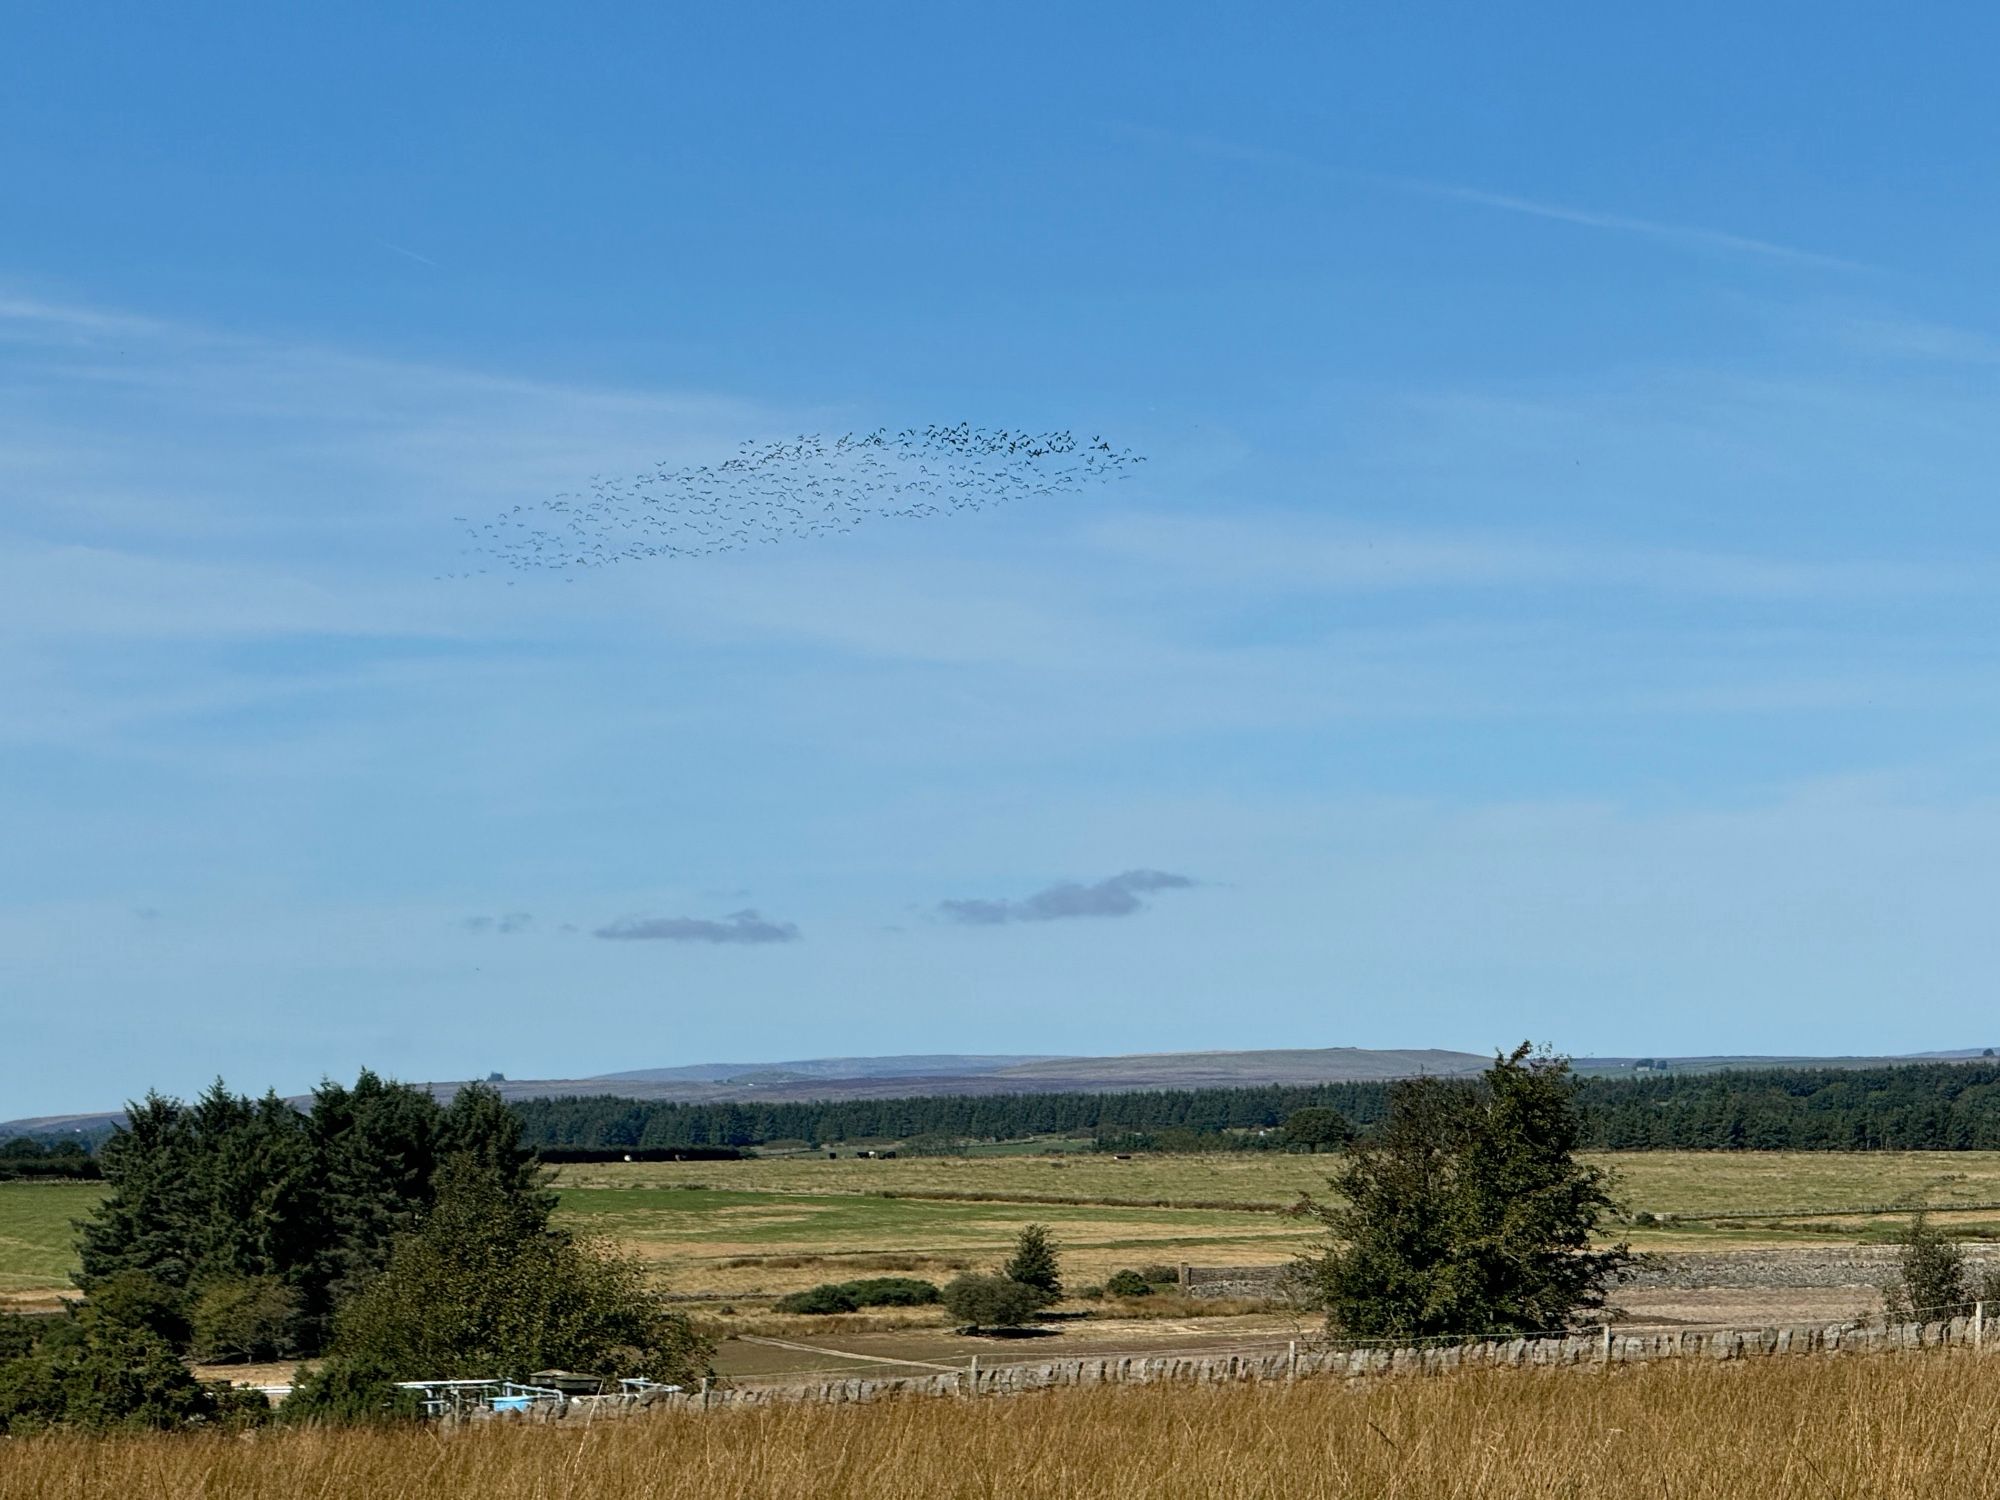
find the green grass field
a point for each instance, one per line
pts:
(742, 1228)
(35, 1233)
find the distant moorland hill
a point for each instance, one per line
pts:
(944, 1074)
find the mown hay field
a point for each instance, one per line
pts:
(1680, 1182)
(37, 1244)
(738, 1242)
(1894, 1427)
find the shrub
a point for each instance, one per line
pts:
(1129, 1284)
(95, 1374)
(828, 1298)
(893, 1291)
(850, 1296)
(1157, 1274)
(246, 1318)
(19, 1334)
(992, 1301)
(348, 1392)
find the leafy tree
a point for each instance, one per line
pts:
(1316, 1126)
(1034, 1265)
(1932, 1280)
(245, 1318)
(991, 1301)
(1128, 1284)
(133, 1299)
(486, 1287)
(1469, 1212)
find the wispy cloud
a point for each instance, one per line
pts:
(1694, 237)
(21, 314)
(1114, 896)
(506, 924)
(1286, 549)
(747, 926)
(408, 254)
(1686, 236)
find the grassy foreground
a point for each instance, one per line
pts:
(1888, 1426)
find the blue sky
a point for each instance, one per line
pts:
(1557, 602)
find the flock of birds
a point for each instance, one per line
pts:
(787, 491)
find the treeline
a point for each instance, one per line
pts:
(1909, 1107)
(24, 1157)
(1912, 1107)
(607, 1122)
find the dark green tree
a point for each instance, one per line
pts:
(1034, 1263)
(485, 1287)
(1316, 1126)
(991, 1301)
(1468, 1213)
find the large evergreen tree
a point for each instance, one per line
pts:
(1034, 1263)
(1468, 1213)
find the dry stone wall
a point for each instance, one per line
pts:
(1299, 1362)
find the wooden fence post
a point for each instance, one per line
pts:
(975, 1374)
(1607, 1346)
(704, 1393)
(1978, 1326)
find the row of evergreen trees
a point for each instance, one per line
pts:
(605, 1121)
(275, 1215)
(1917, 1107)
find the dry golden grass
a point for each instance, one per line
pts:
(1917, 1427)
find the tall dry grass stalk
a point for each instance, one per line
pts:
(1889, 1426)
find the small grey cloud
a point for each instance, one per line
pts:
(1114, 896)
(147, 913)
(506, 924)
(747, 926)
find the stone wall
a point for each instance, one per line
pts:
(1300, 1362)
(1791, 1268)
(1236, 1281)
